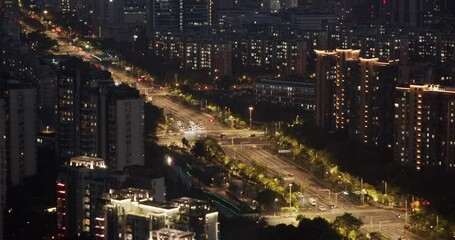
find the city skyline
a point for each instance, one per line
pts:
(158, 116)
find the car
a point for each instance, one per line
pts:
(222, 135)
(332, 206)
(290, 174)
(322, 208)
(252, 135)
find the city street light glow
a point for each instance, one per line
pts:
(169, 161)
(251, 119)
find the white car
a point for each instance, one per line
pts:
(322, 208)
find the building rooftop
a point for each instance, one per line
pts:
(89, 162)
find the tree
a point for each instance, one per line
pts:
(315, 229)
(40, 42)
(268, 198)
(185, 142)
(225, 82)
(347, 223)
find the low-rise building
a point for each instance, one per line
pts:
(289, 92)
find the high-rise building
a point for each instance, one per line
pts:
(165, 15)
(9, 18)
(20, 130)
(196, 14)
(290, 3)
(76, 197)
(335, 75)
(131, 213)
(125, 128)
(3, 168)
(180, 15)
(418, 13)
(68, 98)
(108, 18)
(356, 94)
(82, 114)
(376, 102)
(326, 74)
(81, 186)
(425, 126)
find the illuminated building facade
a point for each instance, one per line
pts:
(355, 94)
(130, 213)
(376, 98)
(81, 187)
(424, 126)
(280, 55)
(335, 76)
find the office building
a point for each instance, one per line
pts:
(424, 126)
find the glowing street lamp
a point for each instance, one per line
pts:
(169, 161)
(251, 118)
(274, 203)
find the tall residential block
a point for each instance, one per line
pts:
(81, 187)
(376, 99)
(334, 97)
(3, 169)
(356, 95)
(425, 126)
(20, 130)
(125, 128)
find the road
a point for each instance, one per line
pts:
(250, 146)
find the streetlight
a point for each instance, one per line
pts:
(290, 195)
(336, 198)
(326, 190)
(274, 203)
(134, 40)
(251, 119)
(385, 187)
(169, 160)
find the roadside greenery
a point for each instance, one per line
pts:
(209, 153)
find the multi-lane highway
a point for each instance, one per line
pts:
(250, 146)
